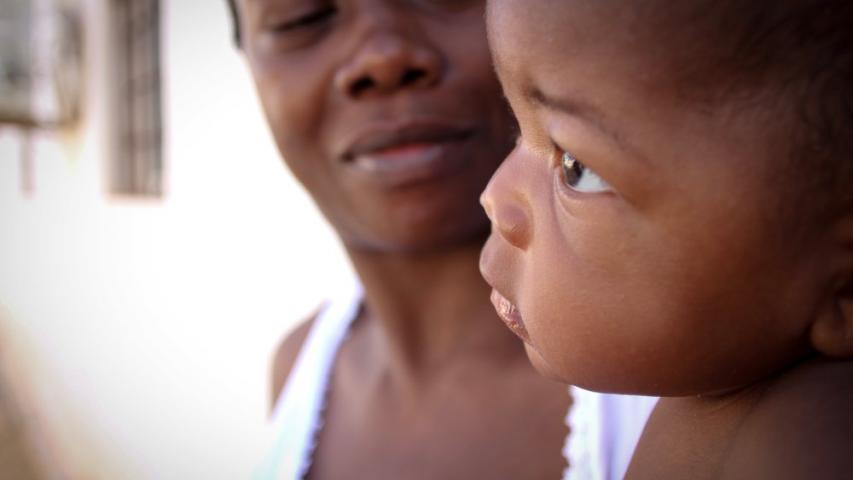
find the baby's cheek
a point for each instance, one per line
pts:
(562, 312)
(601, 299)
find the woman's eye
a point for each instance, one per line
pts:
(451, 4)
(307, 20)
(579, 177)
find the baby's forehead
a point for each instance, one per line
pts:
(564, 26)
(691, 47)
(654, 38)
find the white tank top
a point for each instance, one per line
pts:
(604, 428)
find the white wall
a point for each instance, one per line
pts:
(141, 331)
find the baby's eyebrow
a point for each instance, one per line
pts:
(582, 110)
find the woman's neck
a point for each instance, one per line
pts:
(425, 311)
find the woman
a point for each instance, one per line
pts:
(389, 114)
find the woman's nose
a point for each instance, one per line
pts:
(506, 206)
(387, 61)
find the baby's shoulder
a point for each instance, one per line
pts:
(802, 427)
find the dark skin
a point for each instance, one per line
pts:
(637, 235)
(389, 113)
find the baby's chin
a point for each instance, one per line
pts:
(541, 365)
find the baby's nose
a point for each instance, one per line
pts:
(507, 208)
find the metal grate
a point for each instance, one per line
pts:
(137, 167)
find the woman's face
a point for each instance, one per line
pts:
(659, 266)
(387, 111)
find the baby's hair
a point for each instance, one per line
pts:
(235, 22)
(796, 54)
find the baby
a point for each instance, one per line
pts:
(677, 220)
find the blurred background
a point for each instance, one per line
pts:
(153, 249)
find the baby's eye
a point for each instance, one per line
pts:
(579, 177)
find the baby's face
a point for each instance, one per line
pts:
(635, 236)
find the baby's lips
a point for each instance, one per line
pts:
(510, 315)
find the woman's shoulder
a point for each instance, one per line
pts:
(287, 352)
(802, 426)
(322, 332)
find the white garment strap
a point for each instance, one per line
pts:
(583, 448)
(603, 432)
(297, 415)
(604, 428)
(623, 420)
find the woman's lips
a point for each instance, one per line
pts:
(406, 164)
(400, 155)
(510, 315)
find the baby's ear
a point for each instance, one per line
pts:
(832, 331)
